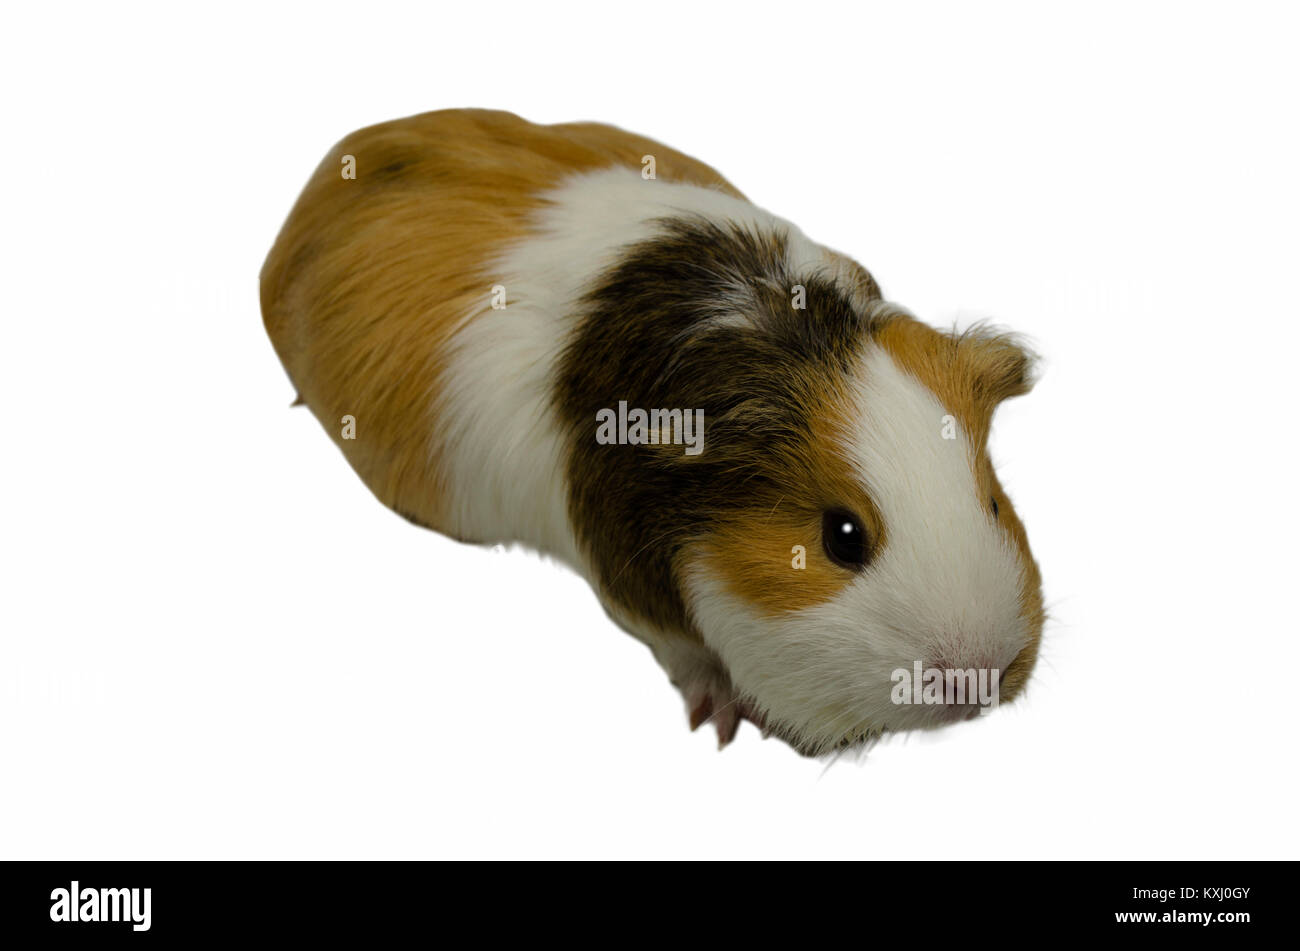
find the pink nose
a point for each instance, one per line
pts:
(968, 683)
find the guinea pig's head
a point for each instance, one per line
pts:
(838, 536)
(869, 574)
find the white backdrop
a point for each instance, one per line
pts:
(215, 643)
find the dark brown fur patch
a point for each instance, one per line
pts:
(701, 317)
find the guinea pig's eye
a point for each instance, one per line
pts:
(844, 539)
(994, 503)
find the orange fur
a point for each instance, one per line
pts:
(370, 278)
(753, 554)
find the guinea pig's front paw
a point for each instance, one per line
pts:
(705, 687)
(712, 700)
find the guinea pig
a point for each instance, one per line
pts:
(578, 339)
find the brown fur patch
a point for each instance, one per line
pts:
(370, 278)
(753, 553)
(970, 373)
(651, 335)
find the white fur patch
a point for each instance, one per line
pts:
(945, 589)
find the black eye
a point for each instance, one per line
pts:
(995, 506)
(844, 539)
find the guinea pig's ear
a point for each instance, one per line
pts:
(999, 365)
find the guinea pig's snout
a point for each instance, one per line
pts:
(969, 681)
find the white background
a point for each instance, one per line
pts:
(214, 642)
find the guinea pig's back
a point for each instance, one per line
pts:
(388, 257)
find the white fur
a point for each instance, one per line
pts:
(945, 589)
(499, 440)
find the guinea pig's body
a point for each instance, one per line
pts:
(578, 339)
